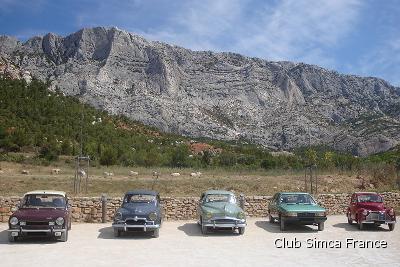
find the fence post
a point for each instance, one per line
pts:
(103, 208)
(242, 201)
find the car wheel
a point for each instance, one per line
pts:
(271, 219)
(391, 226)
(117, 232)
(241, 230)
(64, 236)
(156, 233)
(321, 226)
(360, 225)
(204, 230)
(12, 238)
(282, 223)
(349, 220)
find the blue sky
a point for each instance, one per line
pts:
(351, 36)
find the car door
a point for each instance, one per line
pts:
(353, 206)
(199, 205)
(273, 206)
(160, 209)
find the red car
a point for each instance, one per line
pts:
(41, 213)
(368, 208)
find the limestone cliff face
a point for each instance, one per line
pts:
(281, 105)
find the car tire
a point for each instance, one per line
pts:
(321, 226)
(156, 233)
(204, 229)
(349, 219)
(360, 225)
(117, 232)
(282, 224)
(391, 226)
(11, 238)
(271, 219)
(64, 236)
(241, 230)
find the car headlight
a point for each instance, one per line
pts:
(321, 214)
(153, 216)
(365, 212)
(241, 215)
(60, 221)
(118, 216)
(208, 215)
(290, 214)
(14, 221)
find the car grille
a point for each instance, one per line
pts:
(377, 216)
(224, 221)
(306, 214)
(33, 223)
(137, 222)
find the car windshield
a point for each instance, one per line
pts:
(139, 198)
(297, 199)
(220, 198)
(44, 201)
(370, 198)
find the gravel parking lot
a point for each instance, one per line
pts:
(182, 244)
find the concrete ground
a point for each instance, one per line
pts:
(182, 244)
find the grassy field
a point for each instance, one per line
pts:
(256, 182)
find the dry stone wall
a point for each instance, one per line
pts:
(89, 209)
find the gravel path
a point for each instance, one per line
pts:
(181, 244)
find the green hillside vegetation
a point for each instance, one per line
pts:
(48, 124)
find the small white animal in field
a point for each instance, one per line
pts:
(155, 173)
(195, 174)
(55, 171)
(81, 173)
(111, 174)
(25, 172)
(175, 174)
(132, 173)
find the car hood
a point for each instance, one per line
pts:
(137, 209)
(40, 214)
(223, 208)
(301, 208)
(371, 206)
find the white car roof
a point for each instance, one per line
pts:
(46, 192)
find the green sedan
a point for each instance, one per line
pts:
(218, 209)
(300, 208)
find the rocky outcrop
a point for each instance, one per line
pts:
(280, 105)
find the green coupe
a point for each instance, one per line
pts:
(219, 210)
(298, 208)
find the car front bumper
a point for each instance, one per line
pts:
(224, 222)
(378, 218)
(304, 220)
(146, 226)
(45, 232)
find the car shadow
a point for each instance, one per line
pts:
(290, 228)
(26, 240)
(366, 227)
(108, 233)
(193, 229)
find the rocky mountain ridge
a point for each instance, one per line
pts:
(280, 105)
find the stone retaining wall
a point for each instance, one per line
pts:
(88, 209)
